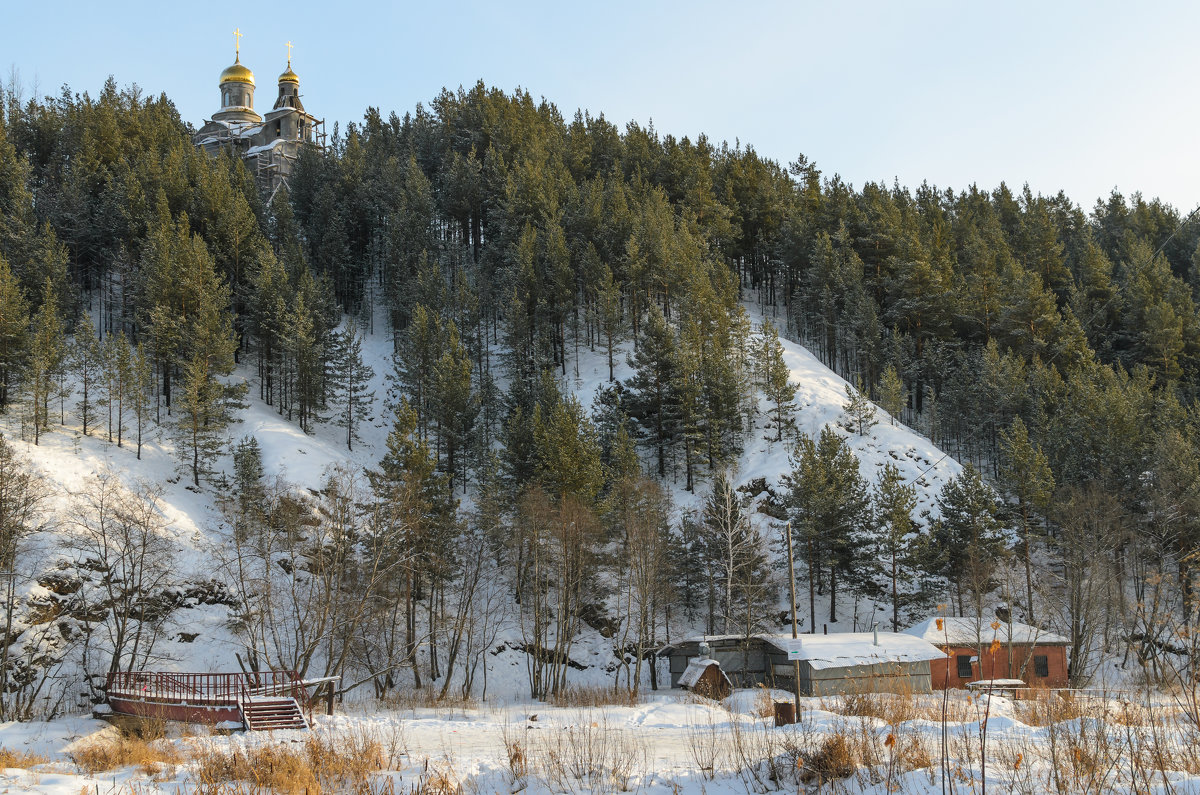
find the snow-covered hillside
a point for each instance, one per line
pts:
(198, 635)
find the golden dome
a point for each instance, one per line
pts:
(289, 76)
(237, 74)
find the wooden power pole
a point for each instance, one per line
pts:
(795, 630)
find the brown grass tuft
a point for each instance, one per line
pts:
(148, 756)
(20, 759)
(319, 765)
(833, 760)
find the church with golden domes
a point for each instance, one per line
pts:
(270, 145)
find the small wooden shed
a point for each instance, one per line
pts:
(1010, 650)
(704, 677)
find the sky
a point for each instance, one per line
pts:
(1083, 97)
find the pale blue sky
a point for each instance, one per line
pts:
(1075, 96)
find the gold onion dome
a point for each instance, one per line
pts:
(289, 76)
(237, 74)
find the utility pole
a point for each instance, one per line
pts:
(9, 576)
(795, 630)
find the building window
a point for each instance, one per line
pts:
(964, 666)
(1041, 665)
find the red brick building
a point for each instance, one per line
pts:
(1036, 656)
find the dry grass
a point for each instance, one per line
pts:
(764, 704)
(912, 753)
(426, 698)
(595, 696)
(894, 708)
(319, 765)
(140, 743)
(20, 759)
(589, 755)
(150, 757)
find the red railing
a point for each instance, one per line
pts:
(205, 688)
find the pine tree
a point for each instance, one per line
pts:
(454, 405)
(140, 388)
(199, 418)
(417, 349)
(859, 408)
(1026, 473)
(568, 451)
(779, 390)
(829, 504)
(965, 542)
(890, 543)
(118, 383)
(88, 365)
(654, 399)
(891, 393)
(270, 294)
(349, 381)
(416, 517)
(249, 491)
(304, 379)
(14, 331)
(47, 357)
(608, 315)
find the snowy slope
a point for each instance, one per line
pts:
(67, 459)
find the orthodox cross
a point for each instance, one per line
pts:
(289, 46)
(237, 43)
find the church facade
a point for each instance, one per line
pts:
(270, 144)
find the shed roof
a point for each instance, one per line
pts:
(973, 631)
(695, 670)
(844, 649)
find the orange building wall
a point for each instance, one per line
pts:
(997, 666)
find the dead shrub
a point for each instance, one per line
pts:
(887, 707)
(764, 704)
(436, 780)
(707, 745)
(590, 756)
(1047, 708)
(515, 753)
(20, 759)
(833, 760)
